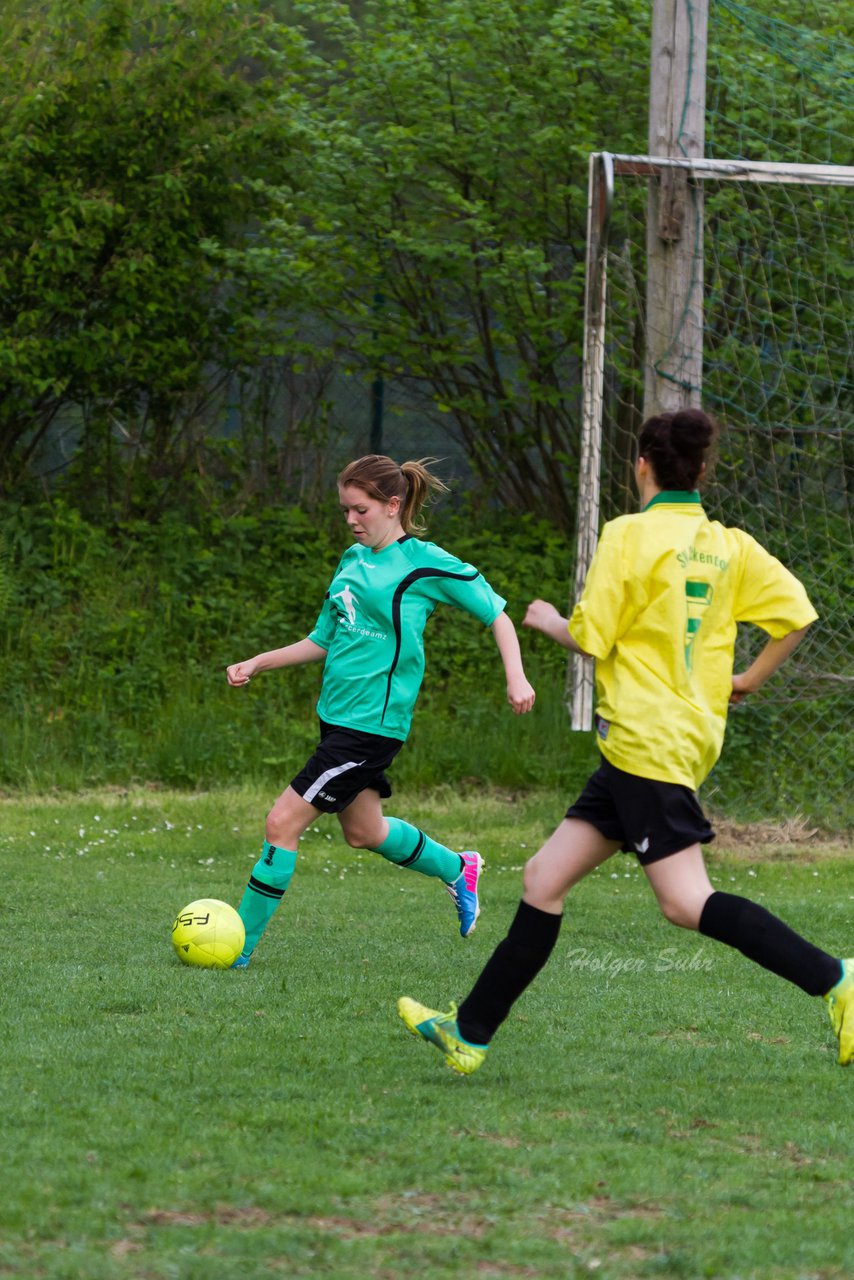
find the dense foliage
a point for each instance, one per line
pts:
(138, 144)
(114, 649)
(456, 168)
(212, 213)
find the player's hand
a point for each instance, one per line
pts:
(542, 616)
(521, 696)
(740, 689)
(240, 673)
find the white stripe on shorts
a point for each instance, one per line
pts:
(321, 782)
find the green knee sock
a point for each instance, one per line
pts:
(270, 878)
(408, 847)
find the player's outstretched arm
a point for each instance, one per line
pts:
(542, 616)
(520, 693)
(292, 655)
(766, 662)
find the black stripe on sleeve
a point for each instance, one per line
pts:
(396, 605)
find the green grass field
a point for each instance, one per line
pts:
(655, 1105)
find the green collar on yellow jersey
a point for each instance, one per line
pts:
(674, 495)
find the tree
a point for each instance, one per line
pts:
(197, 194)
(138, 145)
(453, 189)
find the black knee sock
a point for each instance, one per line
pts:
(760, 936)
(513, 965)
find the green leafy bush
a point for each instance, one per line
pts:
(115, 644)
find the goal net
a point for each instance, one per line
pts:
(776, 262)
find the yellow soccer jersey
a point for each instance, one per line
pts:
(658, 613)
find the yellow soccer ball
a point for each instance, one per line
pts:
(209, 934)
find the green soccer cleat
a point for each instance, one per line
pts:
(441, 1030)
(840, 1006)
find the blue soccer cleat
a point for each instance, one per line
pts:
(242, 962)
(463, 891)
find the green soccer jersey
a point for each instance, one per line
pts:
(372, 628)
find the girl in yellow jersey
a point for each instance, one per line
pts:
(659, 613)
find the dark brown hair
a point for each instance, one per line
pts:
(382, 478)
(675, 445)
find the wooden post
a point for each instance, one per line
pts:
(674, 300)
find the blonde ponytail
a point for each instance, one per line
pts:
(422, 488)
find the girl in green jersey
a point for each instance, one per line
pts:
(659, 614)
(370, 638)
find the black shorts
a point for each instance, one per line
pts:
(345, 763)
(650, 819)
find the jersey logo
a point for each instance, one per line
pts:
(349, 602)
(698, 596)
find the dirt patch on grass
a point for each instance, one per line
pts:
(390, 1215)
(223, 1215)
(496, 1139)
(794, 839)
(404, 1214)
